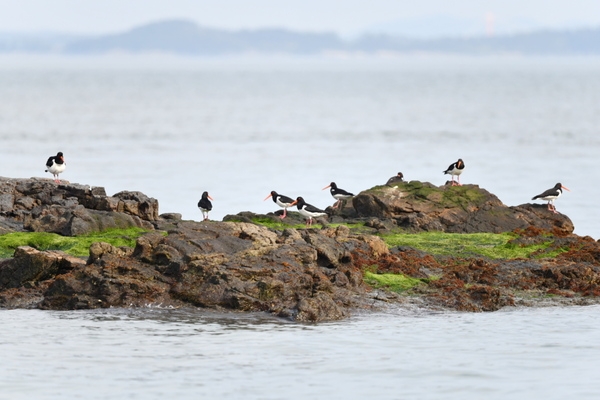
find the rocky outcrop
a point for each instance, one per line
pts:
(305, 275)
(40, 205)
(480, 284)
(301, 274)
(420, 206)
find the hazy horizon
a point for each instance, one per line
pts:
(425, 19)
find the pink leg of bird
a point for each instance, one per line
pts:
(284, 213)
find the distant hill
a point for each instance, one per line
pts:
(185, 37)
(581, 42)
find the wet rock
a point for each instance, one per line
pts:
(31, 265)
(307, 275)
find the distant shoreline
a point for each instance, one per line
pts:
(334, 61)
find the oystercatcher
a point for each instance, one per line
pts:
(550, 195)
(455, 170)
(281, 200)
(308, 210)
(55, 165)
(205, 205)
(337, 193)
(395, 179)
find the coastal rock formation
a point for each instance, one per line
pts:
(481, 284)
(420, 206)
(305, 275)
(296, 273)
(40, 205)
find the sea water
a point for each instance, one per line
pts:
(241, 127)
(541, 353)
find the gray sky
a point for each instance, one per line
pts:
(343, 16)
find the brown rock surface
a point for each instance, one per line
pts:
(301, 274)
(40, 205)
(305, 275)
(421, 206)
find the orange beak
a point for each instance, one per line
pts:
(268, 197)
(210, 197)
(326, 187)
(564, 187)
(293, 202)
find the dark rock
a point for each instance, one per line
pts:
(308, 275)
(31, 265)
(70, 209)
(171, 216)
(421, 206)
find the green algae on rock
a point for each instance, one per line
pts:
(420, 206)
(74, 245)
(447, 247)
(394, 282)
(491, 245)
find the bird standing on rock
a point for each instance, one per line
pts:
(550, 195)
(456, 169)
(338, 194)
(307, 210)
(205, 205)
(395, 179)
(55, 165)
(281, 200)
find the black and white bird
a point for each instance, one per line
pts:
(307, 210)
(456, 169)
(395, 179)
(281, 200)
(550, 195)
(205, 205)
(337, 193)
(55, 165)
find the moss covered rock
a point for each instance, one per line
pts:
(420, 206)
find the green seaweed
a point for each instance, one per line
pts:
(462, 196)
(394, 282)
(272, 223)
(74, 245)
(491, 245)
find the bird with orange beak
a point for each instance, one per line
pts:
(281, 200)
(550, 195)
(338, 194)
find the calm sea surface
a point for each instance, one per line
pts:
(242, 127)
(547, 353)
